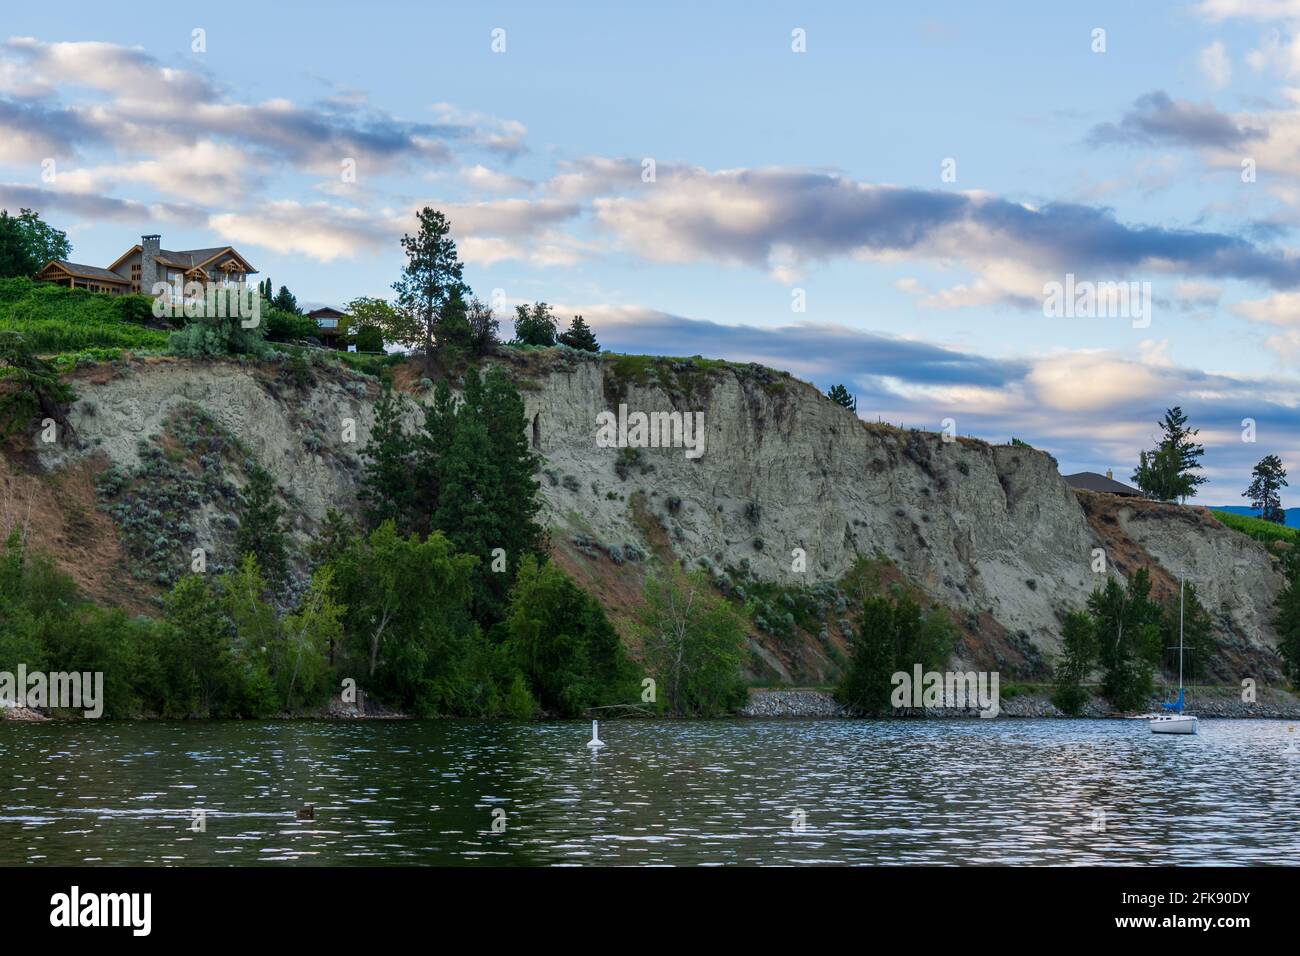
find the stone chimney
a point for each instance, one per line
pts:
(149, 248)
(1110, 474)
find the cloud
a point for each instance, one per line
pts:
(1218, 10)
(1215, 65)
(1157, 119)
(773, 218)
(143, 106)
(15, 196)
(320, 230)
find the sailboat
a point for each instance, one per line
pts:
(1176, 722)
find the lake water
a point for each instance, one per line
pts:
(702, 792)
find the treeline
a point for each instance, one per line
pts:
(439, 601)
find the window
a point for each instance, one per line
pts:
(328, 323)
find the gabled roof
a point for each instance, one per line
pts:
(85, 272)
(327, 312)
(1091, 481)
(188, 259)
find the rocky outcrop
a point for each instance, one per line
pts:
(790, 488)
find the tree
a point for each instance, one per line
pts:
(387, 491)
(1078, 655)
(261, 530)
(210, 336)
(370, 321)
(1199, 646)
(483, 326)
(431, 280)
(195, 654)
(1127, 624)
(561, 640)
(579, 336)
(1265, 491)
(840, 396)
(694, 644)
(535, 326)
(29, 386)
(285, 301)
(27, 244)
(893, 634)
(1288, 620)
(1167, 472)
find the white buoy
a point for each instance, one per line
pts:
(595, 743)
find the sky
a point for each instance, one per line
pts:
(872, 194)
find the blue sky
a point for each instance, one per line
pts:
(776, 171)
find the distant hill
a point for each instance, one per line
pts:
(1292, 514)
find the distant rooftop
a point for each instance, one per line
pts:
(1091, 481)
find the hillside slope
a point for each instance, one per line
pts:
(990, 532)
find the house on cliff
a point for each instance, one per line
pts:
(143, 265)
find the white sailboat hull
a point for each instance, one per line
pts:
(1179, 724)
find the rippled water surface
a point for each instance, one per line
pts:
(718, 792)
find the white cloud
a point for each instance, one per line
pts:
(1216, 65)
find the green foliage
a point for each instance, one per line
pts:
(467, 472)
(432, 280)
(27, 244)
(285, 301)
(1199, 645)
(579, 336)
(1265, 491)
(1168, 472)
(369, 320)
(1257, 528)
(535, 326)
(840, 396)
(694, 645)
(893, 634)
(261, 528)
(483, 326)
(29, 386)
(217, 336)
(285, 326)
(1127, 626)
(53, 318)
(563, 644)
(1078, 656)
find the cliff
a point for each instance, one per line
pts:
(990, 532)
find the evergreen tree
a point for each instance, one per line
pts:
(579, 336)
(535, 326)
(285, 301)
(1168, 472)
(1199, 645)
(386, 489)
(432, 282)
(1265, 491)
(261, 528)
(33, 387)
(893, 634)
(1288, 621)
(840, 396)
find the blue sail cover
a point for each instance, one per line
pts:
(1177, 704)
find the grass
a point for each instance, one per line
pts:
(53, 319)
(1257, 528)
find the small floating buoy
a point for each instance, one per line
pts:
(307, 812)
(595, 743)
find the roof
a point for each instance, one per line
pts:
(1091, 481)
(326, 313)
(188, 259)
(86, 272)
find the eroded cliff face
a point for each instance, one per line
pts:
(990, 532)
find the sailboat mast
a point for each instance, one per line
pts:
(1180, 635)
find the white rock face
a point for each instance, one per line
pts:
(979, 528)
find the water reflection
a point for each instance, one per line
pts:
(725, 792)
